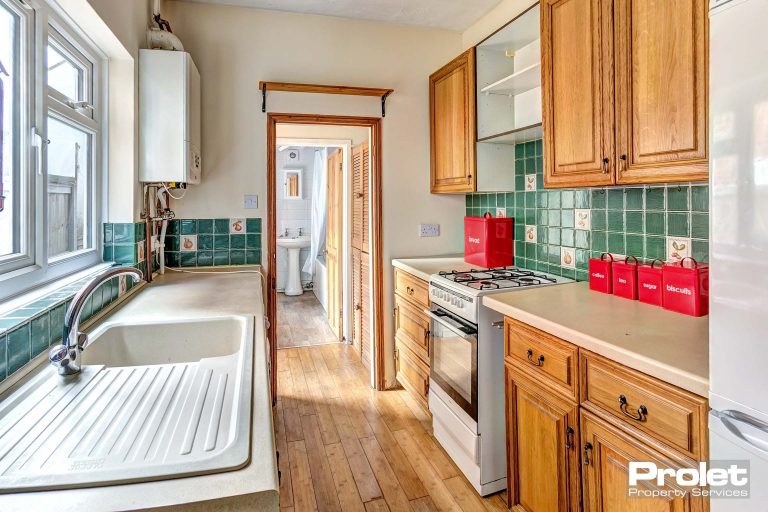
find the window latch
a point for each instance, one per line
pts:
(79, 105)
(37, 143)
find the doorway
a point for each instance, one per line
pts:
(346, 262)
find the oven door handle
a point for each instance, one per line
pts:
(453, 328)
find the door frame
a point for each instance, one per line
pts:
(346, 147)
(375, 125)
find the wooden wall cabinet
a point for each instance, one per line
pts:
(452, 126)
(624, 91)
(569, 448)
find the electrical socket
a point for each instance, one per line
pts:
(429, 230)
(250, 202)
(501, 213)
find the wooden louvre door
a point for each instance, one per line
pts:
(357, 197)
(357, 301)
(333, 240)
(361, 201)
(606, 454)
(542, 448)
(577, 88)
(452, 126)
(661, 90)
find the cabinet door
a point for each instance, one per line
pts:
(452, 125)
(542, 448)
(412, 328)
(607, 453)
(412, 374)
(661, 90)
(577, 88)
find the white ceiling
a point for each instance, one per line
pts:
(455, 15)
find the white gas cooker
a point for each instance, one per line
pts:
(459, 292)
(466, 391)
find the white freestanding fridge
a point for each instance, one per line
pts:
(738, 352)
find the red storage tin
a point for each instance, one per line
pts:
(600, 273)
(686, 288)
(489, 241)
(625, 278)
(649, 283)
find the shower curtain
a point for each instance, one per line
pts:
(319, 184)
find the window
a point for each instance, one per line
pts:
(51, 88)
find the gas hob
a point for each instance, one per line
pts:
(459, 291)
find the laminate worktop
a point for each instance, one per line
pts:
(666, 345)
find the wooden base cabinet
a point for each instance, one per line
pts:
(607, 452)
(412, 335)
(569, 445)
(542, 448)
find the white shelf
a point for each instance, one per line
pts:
(516, 136)
(516, 83)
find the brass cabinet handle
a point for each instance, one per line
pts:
(642, 411)
(426, 336)
(409, 290)
(606, 161)
(538, 362)
(569, 437)
(623, 159)
(587, 451)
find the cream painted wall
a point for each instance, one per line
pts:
(236, 47)
(128, 21)
(488, 24)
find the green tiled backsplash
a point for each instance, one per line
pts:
(124, 243)
(213, 242)
(637, 220)
(30, 330)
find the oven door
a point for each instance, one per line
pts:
(453, 358)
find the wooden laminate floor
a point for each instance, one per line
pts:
(344, 446)
(301, 321)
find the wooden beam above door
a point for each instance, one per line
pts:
(323, 89)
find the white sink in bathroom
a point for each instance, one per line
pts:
(294, 246)
(154, 401)
(299, 242)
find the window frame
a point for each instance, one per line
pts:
(44, 21)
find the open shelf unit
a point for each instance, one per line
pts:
(509, 82)
(518, 82)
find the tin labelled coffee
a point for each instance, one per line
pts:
(600, 273)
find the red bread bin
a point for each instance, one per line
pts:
(489, 241)
(625, 278)
(600, 276)
(649, 283)
(686, 289)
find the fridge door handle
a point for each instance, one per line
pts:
(728, 416)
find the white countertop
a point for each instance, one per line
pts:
(425, 267)
(255, 487)
(666, 345)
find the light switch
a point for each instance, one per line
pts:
(250, 202)
(429, 230)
